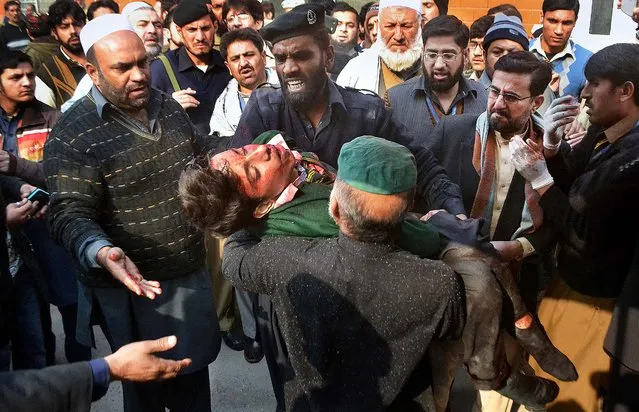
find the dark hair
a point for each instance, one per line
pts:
(480, 27)
(62, 9)
(252, 7)
(268, 7)
(168, 5)
(524, 62)
(11, 3)
(245, 34)
(12, 58)
(617, 63)
(322, 39)
(446, 25)
(212, 200)
(552, 5)
(98, 4)
(507, 9)
(363, 11)
(168, 19)
(343, 6)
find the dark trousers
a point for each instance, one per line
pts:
(59, 271)
(27, 338)
(623, 388)
(185, 393)
(275, 353)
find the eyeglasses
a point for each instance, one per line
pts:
(509, 98)
(472, 45)
(243, 17)
(448, 57)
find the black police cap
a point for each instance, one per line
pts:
(303, 19)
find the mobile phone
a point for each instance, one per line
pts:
(39, 195)
(628, 6)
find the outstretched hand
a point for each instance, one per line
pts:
(135, 362)
(123, 269)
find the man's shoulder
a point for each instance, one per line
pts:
(581, 52)
(359, 98)
(406, 88)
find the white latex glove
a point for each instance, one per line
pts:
(529, 162)
(562, 111)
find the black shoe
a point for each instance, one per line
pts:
(552, 360)
(252, 350)
(530, 391)
(233, 341)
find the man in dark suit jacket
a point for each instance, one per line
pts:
(475, 153)
(73, 387)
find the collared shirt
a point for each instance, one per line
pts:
(504, 172)
(569, 64)
(208, 84)
(103, 106)
(334, 98)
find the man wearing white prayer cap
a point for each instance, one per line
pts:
(146, 23)
(112, 165)
(396, 55)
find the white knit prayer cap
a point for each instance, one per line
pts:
(136, 5)
(102, 26)
(411, 4)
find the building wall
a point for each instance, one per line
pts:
(470, 10)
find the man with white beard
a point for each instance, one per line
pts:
(396, 55)
(147, 25)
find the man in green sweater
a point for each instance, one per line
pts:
(280, 192)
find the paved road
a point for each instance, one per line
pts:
(236, 386)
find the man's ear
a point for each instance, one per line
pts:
(259, 23)
(537, 102)
(263, 208)
(329, 57)
(333, 209)
(541, 17)
(628, 91)
(93, 73)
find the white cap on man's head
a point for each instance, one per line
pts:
(102, 26)
(411, 4)
(136, 5)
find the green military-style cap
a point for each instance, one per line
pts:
(376, 165)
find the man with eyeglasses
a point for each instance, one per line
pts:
(194, 74)
(476, 47)
(420, 103)
(241, 14)
(507, 35)
(474, 150)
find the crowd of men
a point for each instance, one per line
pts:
(368, 199)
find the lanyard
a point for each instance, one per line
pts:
(436, 115)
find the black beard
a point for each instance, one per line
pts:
(448, 83)
(307, 97)
(73, 49)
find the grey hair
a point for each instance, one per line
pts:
(354, 216)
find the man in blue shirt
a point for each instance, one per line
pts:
(194, 74)
(567, 58)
